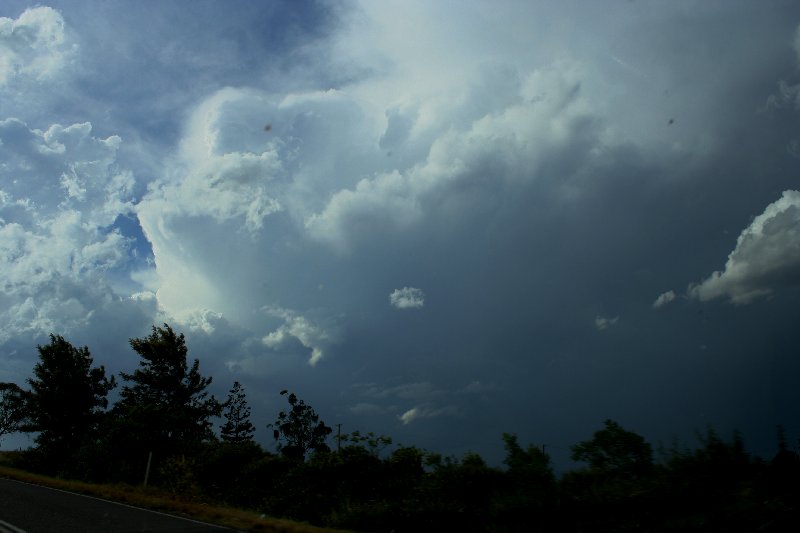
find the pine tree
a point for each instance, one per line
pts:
(237, 427)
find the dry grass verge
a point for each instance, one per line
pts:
(158, 500)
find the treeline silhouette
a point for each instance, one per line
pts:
(160, 432)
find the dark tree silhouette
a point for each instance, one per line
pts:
(530, 484)
(237, 427)
(615, 450)
(165, 405)
(368, 441)
(12, 408)
(299, 430)
(530, 462)
(68, 398)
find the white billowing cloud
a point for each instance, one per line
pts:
(214, 180)
(236, 182)
(663, 299)
(407, 298)
(224, 172)
(60, 192)
(471, 158)
(602, 323)
(310, 335)
(63, 169)
(33, 45)
(766, 257)
(204, 320)
(426, 411)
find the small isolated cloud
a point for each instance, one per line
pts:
(602, 323)
(477, 387)
(410, 415)
(311, 336)
(663, 299)
(426, 411)
(766, 257)
(407, 298)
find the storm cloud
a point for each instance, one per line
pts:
(423, 219)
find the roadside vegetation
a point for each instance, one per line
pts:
(158, 499)
(162, 428)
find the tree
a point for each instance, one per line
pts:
(165, 405)
(237, 427)
(299, 430)
(12, 408)
(68, 398)
(614, 450)
(616, 492)
(530, 463)
(369, 441)
(530, 486)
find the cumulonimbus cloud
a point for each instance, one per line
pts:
(766, 257)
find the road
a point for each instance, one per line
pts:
(26, 508)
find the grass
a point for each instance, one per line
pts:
(158, 500)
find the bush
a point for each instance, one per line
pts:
(221, 468)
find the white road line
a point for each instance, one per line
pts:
(5, 527)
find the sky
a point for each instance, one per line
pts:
(438, 221)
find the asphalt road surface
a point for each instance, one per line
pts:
(26, 508)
